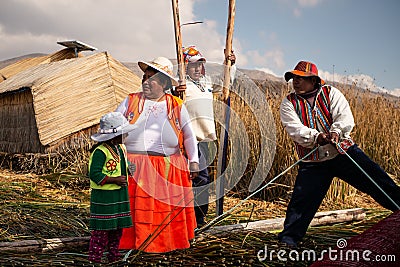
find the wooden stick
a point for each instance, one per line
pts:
(178, 43)
(44, 244)
(320, 218)
(228, 48)
(222, 155)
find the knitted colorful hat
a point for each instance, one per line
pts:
(192, 54)
(304, 69)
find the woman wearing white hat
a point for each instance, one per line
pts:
(109, 202)
(160, 191)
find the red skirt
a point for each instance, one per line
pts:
(161, 201)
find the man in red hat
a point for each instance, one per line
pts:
(318, 115)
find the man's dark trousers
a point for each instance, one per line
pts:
(313, 181)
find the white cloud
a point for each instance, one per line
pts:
(128, 30)
(297, 12)
(308, 3)
(24, 43)
(273, 57)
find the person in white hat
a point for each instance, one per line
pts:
(199, 93)
(109, 202)
(164, 150)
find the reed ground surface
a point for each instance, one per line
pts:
(57, 205)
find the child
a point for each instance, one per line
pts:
(109, 202)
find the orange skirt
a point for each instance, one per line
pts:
(161, 199)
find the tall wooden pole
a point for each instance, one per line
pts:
(178, 43)
(228, 48)
(223, 153)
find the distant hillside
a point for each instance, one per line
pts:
(261, 78)
(260, 75)
(252, 74)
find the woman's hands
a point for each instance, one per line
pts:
(194, 170)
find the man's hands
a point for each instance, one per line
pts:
(180, 88)
(231, 57)
(324, 139)
(334, 138)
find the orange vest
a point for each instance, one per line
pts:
(174, 106)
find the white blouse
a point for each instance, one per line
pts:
(155, 133)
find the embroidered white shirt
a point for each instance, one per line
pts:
(155, 133)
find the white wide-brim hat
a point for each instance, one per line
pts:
(111, 125)
(161, 64)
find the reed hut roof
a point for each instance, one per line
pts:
(26, 63)
(67, 95)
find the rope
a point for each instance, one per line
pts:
(369, 177)
(151, 237)
(220, 217)
(223, 215)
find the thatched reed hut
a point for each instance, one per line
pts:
(48, 104)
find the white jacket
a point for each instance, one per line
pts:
(199, 102)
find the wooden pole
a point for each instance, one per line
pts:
(178, 44)
(228, 49)
(320, 218)
(222, 155)
(43, 245)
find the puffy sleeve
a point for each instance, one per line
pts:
(189, 136)
(123, 106)
(343, 120)
(298, 132)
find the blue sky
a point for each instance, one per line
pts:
(348, 39)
